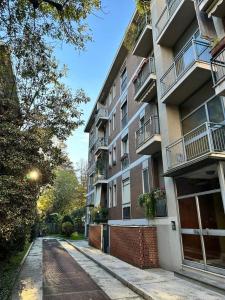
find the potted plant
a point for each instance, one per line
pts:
(148, 201)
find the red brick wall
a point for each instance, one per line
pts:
(95, 236)
(135, 245)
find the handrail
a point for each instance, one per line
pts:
(205, 138)
(147, 130)
(200, 52)
(144, 21)
(218, 67)
(167, 13)
(144, 73)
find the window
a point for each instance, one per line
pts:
(126, 198)
(110, 197)
(125, 148)
(110, 125)
(124, 114)
(113, 120)
(114, 91)
(114, 196)
(110, 158)
(110, 97)
(114, 155)
(145, 180)
(123, 80)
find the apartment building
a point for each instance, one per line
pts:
(159, 122)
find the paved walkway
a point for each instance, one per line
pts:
(29, 284)
(154, 284)
(63, 278)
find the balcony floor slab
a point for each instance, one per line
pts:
(151, 146)
(177, 24)
(192, 80)
(199, 162)
(144, 43)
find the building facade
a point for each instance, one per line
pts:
(159, 124)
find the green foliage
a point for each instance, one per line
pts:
(77, 236)
(36, 107)
(8, 272)
(67, 228)
(67, 218)
(99, 214)
(143, 6)
(148, 201)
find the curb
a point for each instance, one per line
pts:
(134, 288)
(19, 270)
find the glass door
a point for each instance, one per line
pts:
(213, 230)
(202, 221)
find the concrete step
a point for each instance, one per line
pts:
(208, 280)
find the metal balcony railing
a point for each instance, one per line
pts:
(92, 141)
(147, 131)
(147, 69)
(91, 167)
(192, 52)
(123, 84)
(218, 67)
(142, 23)
(206, 138)
(166, 14)
(101, 142)
(102, 113)
(99, 177)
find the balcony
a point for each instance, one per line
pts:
(92, 142)
(102, 117)
(213, 7)
(101, 145)
(125, 161)
(145, 82)
(218, 73)
(189, 71)
(100, 178)
(200, 146)
(91, 168)
(143, 40)
(173, 21)
(148, 139)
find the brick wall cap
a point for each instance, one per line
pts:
(134, 226)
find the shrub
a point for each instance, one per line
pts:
(67, 228)
(67, 218)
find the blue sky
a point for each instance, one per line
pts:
(88, 69)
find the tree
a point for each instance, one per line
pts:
(35, 105)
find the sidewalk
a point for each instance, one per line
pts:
(156, 284)
(29, 283)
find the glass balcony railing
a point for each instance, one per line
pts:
(148, 68)
(192, 52)
(166, 14)
(147, 131)
(218, 67)
(206, 138)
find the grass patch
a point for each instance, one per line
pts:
(75, 236)
(8, 272)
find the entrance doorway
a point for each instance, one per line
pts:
(202, 222)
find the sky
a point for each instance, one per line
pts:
(88, 69)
